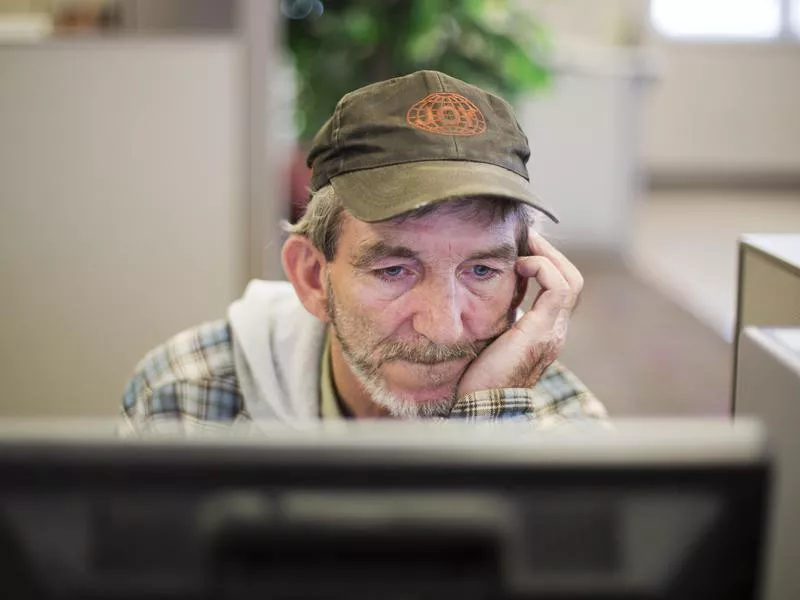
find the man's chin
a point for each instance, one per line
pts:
(403, 406)
(411, 390)
(429, 384)
(426, 396)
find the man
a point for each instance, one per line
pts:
(406, 278)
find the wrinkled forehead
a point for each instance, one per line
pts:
(470, 225)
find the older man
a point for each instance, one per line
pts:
(406, 278)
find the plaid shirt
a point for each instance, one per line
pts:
(189, 385)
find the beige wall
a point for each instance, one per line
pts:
(123, 217)
(718, 108)
(584, 152)
(725, 108)
(603, 22)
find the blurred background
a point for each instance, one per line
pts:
(149, 149)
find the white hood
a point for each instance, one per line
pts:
(277, 347)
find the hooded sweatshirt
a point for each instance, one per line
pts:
(277, 346)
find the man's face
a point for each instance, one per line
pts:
(414, 301)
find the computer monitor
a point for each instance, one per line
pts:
(649, 510)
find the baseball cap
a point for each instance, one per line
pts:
(397, 145)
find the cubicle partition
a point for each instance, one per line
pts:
(139, 194)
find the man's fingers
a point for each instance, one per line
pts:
(557, 295)
(543, 270)
(541, 247)
(542, 333)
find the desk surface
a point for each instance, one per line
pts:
(789, 337)
(783, 246)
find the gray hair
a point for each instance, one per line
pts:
(322, 221)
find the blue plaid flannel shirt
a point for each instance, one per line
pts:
(189, 385)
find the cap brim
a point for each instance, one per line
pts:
(383, 193)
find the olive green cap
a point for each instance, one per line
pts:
(401, 144)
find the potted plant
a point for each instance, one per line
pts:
(341, 45)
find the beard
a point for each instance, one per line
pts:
(365, 353)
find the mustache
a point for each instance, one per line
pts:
(431, 354)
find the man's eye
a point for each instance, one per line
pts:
(482, 271)
(390, 272)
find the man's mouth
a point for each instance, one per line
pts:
(430, 354)
(432, 363)
(435, 374)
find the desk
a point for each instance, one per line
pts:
(768, 387)
(769, 285)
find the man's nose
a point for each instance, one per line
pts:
(439, 311)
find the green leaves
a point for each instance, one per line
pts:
(490, 43)
(360, 27)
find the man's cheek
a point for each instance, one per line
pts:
(377, 321)
(385, 309)
(491, 314)
(368, 301)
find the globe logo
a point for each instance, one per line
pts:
(447, 114)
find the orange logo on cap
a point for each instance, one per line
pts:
(448, 114)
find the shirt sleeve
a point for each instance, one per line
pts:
(185, 386)
(181, 408)
(558, 397)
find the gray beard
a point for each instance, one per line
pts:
(367, 370)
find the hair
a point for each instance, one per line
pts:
(322, 221)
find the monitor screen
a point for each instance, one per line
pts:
(650, 510)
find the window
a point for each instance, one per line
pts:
(726, 19)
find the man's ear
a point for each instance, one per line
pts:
(304, 265)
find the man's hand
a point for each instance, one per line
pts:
(519, 356)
